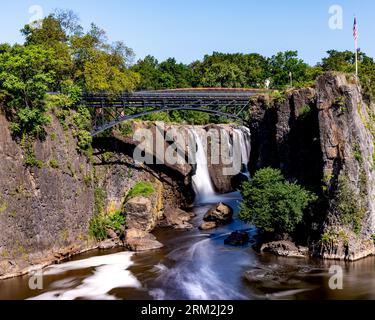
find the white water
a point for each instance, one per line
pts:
(110, 272)
(202, 182)
(244, 136)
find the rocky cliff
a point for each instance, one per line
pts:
(45, 210)
(323, 137)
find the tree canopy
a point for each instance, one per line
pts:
(59, 55)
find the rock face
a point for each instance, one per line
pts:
(45, 212)
(138, 240)
(347, 140)
(324, 137)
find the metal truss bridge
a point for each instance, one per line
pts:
(110, 110)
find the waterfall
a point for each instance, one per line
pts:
(202, 182)
(244, 137)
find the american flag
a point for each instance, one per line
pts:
(355, 30)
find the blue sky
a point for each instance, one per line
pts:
(189, 29)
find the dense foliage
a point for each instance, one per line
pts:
(273, 204)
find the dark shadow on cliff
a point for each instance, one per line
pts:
(115, 147)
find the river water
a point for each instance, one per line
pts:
(194, 265)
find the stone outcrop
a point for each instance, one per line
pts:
(138, 240)
(348, 146)
(177, 219)
(140, 214)
(285, 249)
(323, 138)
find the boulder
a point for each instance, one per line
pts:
(139, 214)
(139, 240)
(111, 234)
(177, 219)
(221, 214)
(208, 225)
(237, 238)
(285, 249)
(108, 244)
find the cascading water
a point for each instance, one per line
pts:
(202, 182)
(244, 136)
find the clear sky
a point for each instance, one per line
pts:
(189, 29)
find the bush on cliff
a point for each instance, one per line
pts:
(273, 204)
(141, 189)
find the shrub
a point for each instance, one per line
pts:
(100, 223)
(273, 204)
(141, 189)
(97, 228)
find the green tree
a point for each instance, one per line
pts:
(52, 35)
(339, 61)
(273, 204)
(287, 63)
(225, 75)
(26, 74)
(148, 69)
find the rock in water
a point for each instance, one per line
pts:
(221, 214)
(139, 214)
(177, 219)
(208, 225)
(285, 249)
(139, 240)
(237, 238)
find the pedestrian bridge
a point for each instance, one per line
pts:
(111, 110)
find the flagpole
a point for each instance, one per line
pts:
(355, 34)
(356, 59)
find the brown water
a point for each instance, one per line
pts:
(194, 265)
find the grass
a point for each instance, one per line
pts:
(141, 189)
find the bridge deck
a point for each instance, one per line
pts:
(110, 110)
(170, 97)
